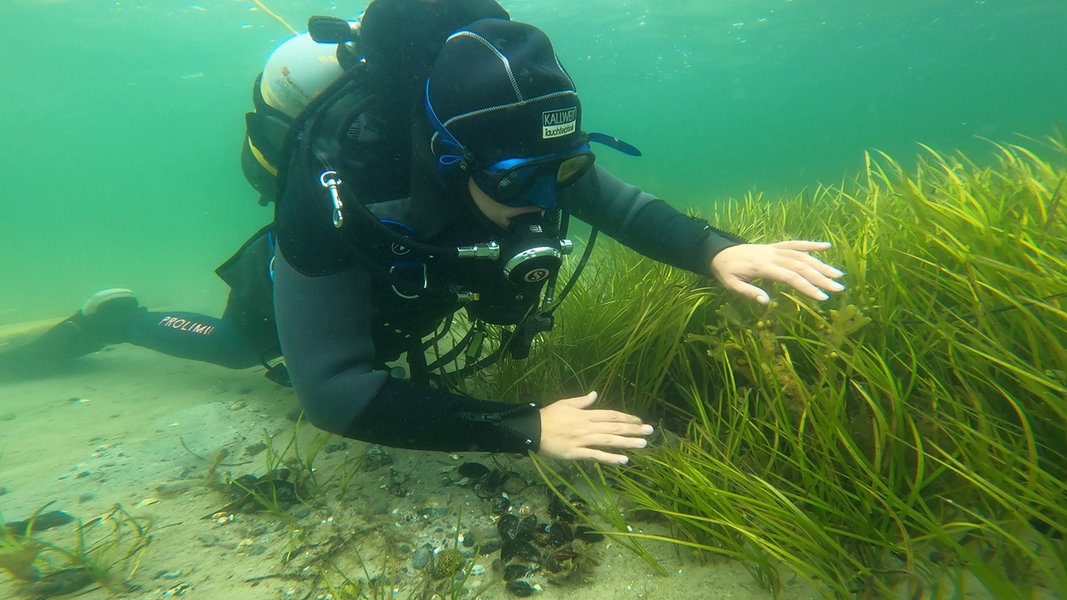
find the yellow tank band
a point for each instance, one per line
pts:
(263, 162)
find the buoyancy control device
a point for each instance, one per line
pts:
(300, 76)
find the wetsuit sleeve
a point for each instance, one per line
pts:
(647, 224)
(325, 329)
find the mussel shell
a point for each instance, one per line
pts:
(374, 458)
(484, 491)
(528, 528)
(492, 480)
(501, 506)
(554, 563)
(489, 546)
(42, 521)
(560, 534)
(558, 510)
(515, 571)
(513, 483)
(508, 527)
(521, 550)
(60, 583)
(472, 470)
(277, 490)
(519, 588)
(488, 485)
(586, 534)
(242, 484)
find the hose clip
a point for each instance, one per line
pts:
(331, 182)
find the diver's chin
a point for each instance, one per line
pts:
(525, 210)
(518, 212)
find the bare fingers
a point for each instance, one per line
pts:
(803, 245)
(795, 267)
(600, 449)
(571, 430)
(601, 456)
(810, 277)
(597, 441)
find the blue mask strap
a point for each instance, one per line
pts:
(611, 142)
(445, 162)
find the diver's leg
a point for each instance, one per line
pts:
(113, 317)
(243, 337)
(195, 336)
(104, 319)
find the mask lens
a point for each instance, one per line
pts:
(571, 169)
(511, 179)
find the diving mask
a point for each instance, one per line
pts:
(519, 182)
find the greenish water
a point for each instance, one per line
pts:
(122, 120)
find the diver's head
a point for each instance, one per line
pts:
(505, 115)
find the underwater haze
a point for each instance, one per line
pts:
(122, 120)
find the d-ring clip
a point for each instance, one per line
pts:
(331, 181)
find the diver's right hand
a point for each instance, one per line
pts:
(572, 430)
(788, 262)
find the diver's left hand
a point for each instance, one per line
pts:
(785, 262)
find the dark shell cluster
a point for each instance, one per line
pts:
(555, 550)
(251, 493)
(492, 484)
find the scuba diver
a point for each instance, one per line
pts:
(419, 180)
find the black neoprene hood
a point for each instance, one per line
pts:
(400, 38)
(499, 90)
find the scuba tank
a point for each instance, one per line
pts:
(296, 72)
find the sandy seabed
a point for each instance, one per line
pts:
(128, 427)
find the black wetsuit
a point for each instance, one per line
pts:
(339, 322)
(338, 319)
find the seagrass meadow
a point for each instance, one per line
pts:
(905, 439)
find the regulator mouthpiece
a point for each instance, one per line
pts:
(532, 253)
